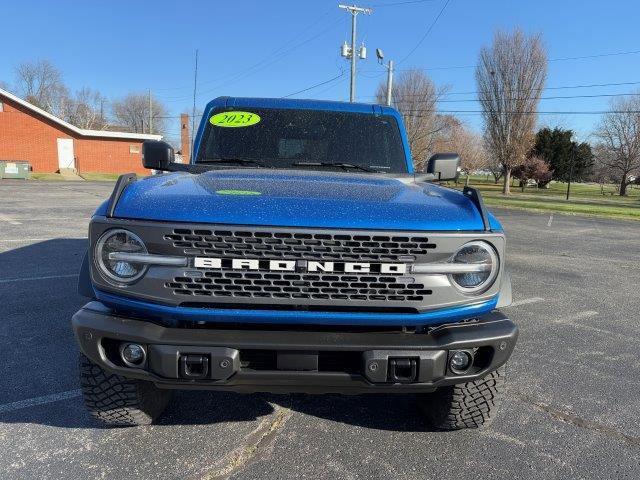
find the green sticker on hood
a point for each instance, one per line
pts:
(237, 192)
(234, 119)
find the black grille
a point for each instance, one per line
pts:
(298, 245)
(301, 286)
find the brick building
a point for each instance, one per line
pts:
(48, 143)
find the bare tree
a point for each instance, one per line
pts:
(602, 173)
(132, 113)
(415, 96)
(87, 110)
(40, 83)
(457, 137)
(496, 168)
(619, 134)
(510, 75)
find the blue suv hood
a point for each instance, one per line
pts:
(295, 198)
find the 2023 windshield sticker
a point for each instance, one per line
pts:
(234, 119)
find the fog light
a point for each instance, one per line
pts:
(460, 361)
(132, 354)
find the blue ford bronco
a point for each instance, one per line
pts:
(298, 251)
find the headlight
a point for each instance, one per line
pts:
(484, 261)
(117, 241)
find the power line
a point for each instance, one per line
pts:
(393, 4)
(275, 57)
(416, 112)
(561, 97)
(257, 67)
(556, 97)
(284, 96)
(562, 87)
(314, 86)
(274, 52)
(333, 85)
(561, 59)
(274, 60)
(426, 33)
(523, 112)
(598, 55)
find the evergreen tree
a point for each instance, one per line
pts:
(558, 149)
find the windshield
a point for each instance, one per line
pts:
(311, 139)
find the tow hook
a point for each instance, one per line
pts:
(193, 362)
(403, 370)
(194, 366)
(404, 366)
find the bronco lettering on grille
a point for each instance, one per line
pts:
(298, 265)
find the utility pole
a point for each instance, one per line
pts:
(389, 67)
(389, 81)
(193, 112)
(150, 114)
(351, 52)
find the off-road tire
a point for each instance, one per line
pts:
(466, 405)
(117, 401)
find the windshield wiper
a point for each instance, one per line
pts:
(344, 166)
(239, 161)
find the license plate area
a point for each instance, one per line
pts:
(297, 360)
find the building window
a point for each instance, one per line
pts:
(134, 148)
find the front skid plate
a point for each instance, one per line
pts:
(166, 346)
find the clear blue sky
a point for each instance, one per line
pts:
(120, 46)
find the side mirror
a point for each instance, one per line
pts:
(444, 166)
(157, 155)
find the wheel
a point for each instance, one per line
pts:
(466, 405)
(118, 401)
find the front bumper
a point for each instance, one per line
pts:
(287, 359)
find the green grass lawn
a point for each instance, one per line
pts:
(92, 177)
(100, 177)
(46, 176)
(585, 198)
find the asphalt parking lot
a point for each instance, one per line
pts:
(572, 409)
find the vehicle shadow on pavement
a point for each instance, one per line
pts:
(206, 407)
(394, 412)
(185, 409)
(39, 353)
(48, 258)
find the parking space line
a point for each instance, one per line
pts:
(45, 219)
(9, 220)
(24, 240)
(30, 279)
(526, 301)
(32, 402)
